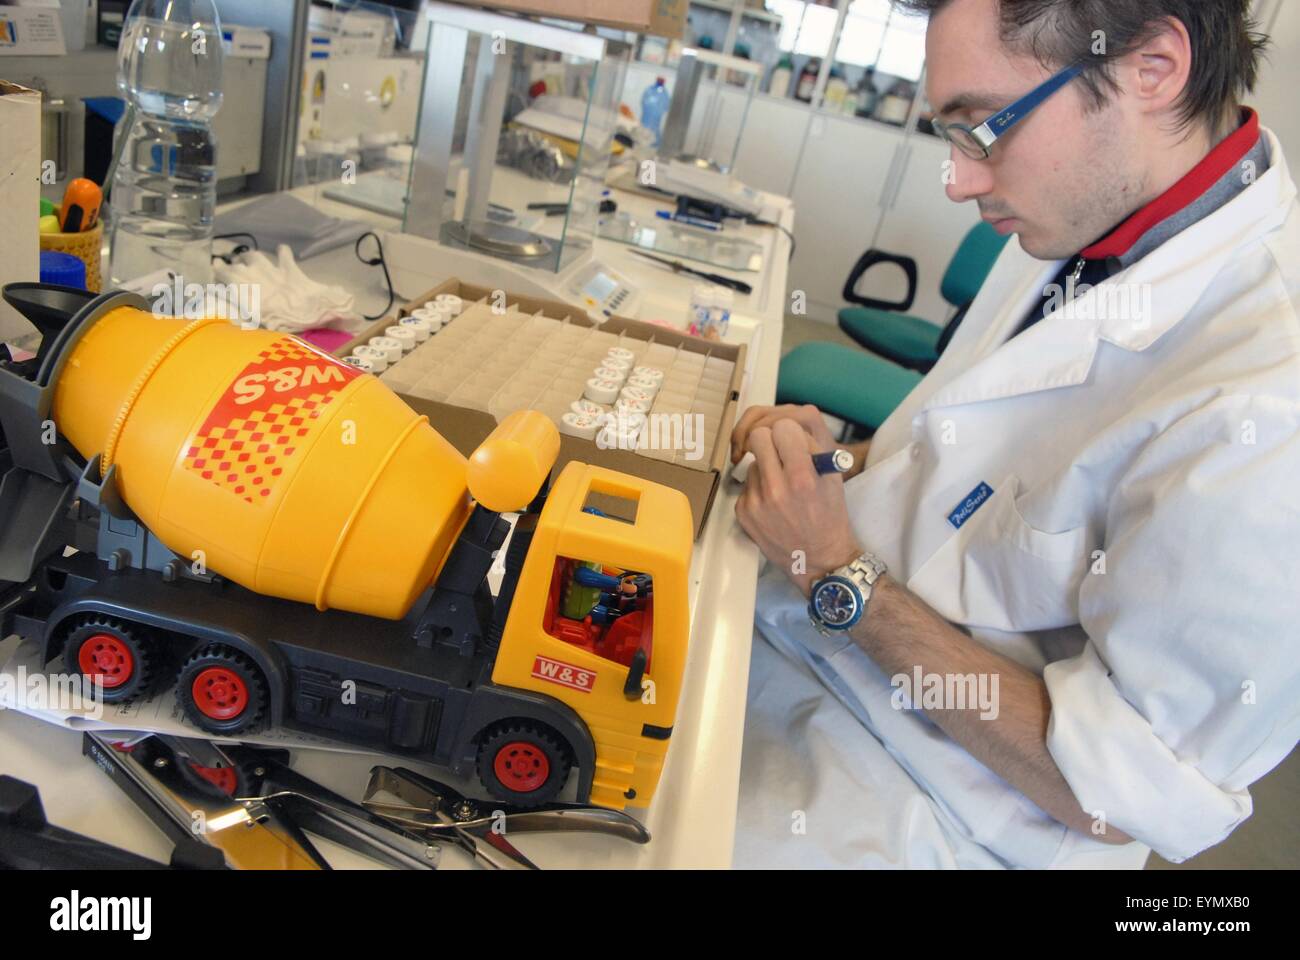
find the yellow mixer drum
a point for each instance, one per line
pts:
(272, 463)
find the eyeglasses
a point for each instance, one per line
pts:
(977, 142)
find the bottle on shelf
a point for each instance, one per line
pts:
(735, 77)
(867, 94)
(779, 84)
(837, 90)
(807, 81)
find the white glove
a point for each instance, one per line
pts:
(285, 298)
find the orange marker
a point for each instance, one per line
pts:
(80, 210)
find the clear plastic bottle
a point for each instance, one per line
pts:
(164, 190)
(654, 104)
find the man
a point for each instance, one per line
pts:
(1061, 598)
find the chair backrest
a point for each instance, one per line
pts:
(971, 264)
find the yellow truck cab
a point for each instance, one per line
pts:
(622, 678)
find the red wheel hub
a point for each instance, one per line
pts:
(223, 778)
(108, 657)
(219, 693)
(521, 766)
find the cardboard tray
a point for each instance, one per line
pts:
(466, 428)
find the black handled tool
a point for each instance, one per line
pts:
(29, 842)
(740, 286)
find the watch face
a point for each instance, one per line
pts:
(837, 603)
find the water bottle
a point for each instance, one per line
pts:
(654, 104)
(164, 189)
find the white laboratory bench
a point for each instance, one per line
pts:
(692, 818)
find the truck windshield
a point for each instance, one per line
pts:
(606, 610)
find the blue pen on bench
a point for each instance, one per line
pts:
(832, 461)
(684, 218)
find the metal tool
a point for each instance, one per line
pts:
(186, 788)
(327, 814)
(740, 286)
(480, 828)
(247, 803)
(254, 812)
(557, 209)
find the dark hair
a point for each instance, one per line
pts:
(1225, 45)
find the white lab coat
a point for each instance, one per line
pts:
(1140, 549)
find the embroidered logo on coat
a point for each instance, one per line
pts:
(969, 504)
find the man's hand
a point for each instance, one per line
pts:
(808, 418)
(799, 520)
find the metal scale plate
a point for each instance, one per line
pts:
(498, 239)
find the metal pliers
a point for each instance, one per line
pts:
(437, 812)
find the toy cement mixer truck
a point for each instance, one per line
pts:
(289, 543)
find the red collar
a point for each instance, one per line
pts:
(1182, 194)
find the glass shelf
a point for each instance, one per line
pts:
(684, 241)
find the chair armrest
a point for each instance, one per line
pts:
(865, 263)
(949, 329)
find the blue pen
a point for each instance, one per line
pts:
(683, 218)
(833, 461)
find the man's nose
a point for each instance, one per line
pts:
(966, 178)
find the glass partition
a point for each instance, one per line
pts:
(709, 109)
(358, 103)
(515, 135)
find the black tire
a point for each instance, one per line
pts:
(222, 691)
(523, 762)
(124, 654)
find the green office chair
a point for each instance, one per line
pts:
(865, 388)
(857, 387)
(912, 342)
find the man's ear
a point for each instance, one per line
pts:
(1156, 73)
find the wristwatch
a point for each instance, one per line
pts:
(840, 598)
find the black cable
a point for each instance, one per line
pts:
(380, 262)
(757, 222)
(239, 248)
(227, 236)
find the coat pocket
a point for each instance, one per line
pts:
(999, 573)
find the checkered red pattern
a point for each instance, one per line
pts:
(263, 418)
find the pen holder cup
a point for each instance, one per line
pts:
(84, 246)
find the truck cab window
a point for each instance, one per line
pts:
(606, 610)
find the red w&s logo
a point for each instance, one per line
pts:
(565, 674)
